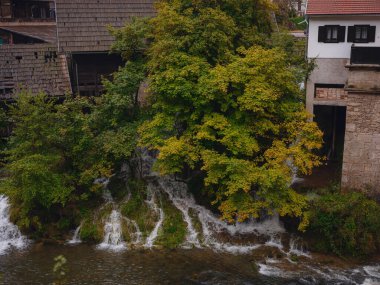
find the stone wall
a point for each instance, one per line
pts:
(361, 162)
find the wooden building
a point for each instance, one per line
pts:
(61, 46)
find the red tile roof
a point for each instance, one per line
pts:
(342, 7)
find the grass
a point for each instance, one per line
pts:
(93, 224)
(136, 209)
(174, 230)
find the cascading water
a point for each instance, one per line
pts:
(206, 230)
(10, 236)
(159, 212)
(113, 234)
(211, 225)
(76, 238)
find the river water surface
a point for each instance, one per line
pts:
(89, 265)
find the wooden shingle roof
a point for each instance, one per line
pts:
(46, 33)
(82, 25)
(36, 67)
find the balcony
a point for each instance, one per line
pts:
(31, 11)
(365, 55)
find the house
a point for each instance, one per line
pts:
(61, 46)
(343, 91)
(299, 6)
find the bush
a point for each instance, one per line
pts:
(345, 224)
(91, 232)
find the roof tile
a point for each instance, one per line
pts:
(343, 7)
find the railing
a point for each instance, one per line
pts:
(365, 55)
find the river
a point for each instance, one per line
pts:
(88, 265)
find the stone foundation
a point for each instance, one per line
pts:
(361, 162)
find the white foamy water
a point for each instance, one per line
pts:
(372, 271)
(113, 230)
(296, 248)
(76, 238)
(10, 236)
(272, 271)
(159, 212)
(211, 225)
(113, 235)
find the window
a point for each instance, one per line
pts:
(361, 34)
(331, 34)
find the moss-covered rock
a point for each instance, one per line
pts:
(91, 231)
(136, 208)
(174, 230)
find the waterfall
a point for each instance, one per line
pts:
(76, 238)
(10, 236)
(182, 201)
(113, 233)
(113, 236)
(153, 205)
(211, 225)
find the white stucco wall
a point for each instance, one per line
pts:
(338, 50)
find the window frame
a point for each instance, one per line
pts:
(330, 28)
(326, 34)
(361, 39)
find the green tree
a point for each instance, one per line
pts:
(52, 157)
(227, 107)
(58, 147)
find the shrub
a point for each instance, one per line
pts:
(346, 224)
(91, 232)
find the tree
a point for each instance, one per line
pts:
(51, 156)
(227, 106)
(58, 147)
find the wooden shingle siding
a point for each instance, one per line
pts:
(37, 67)
(82, 24)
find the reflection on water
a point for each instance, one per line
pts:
(88, 265)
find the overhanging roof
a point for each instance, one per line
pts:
(46, 33)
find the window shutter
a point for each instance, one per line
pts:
(351, 34)
(341, 34)
(322, 34)
(371, 34)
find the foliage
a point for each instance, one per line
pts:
(58, 148)
(225, 103)
(299, 23)
(59, 269)
(173, 231)
(49, 155)
(137, 209)
(228, 107)
(90, 231)
(346, 224)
